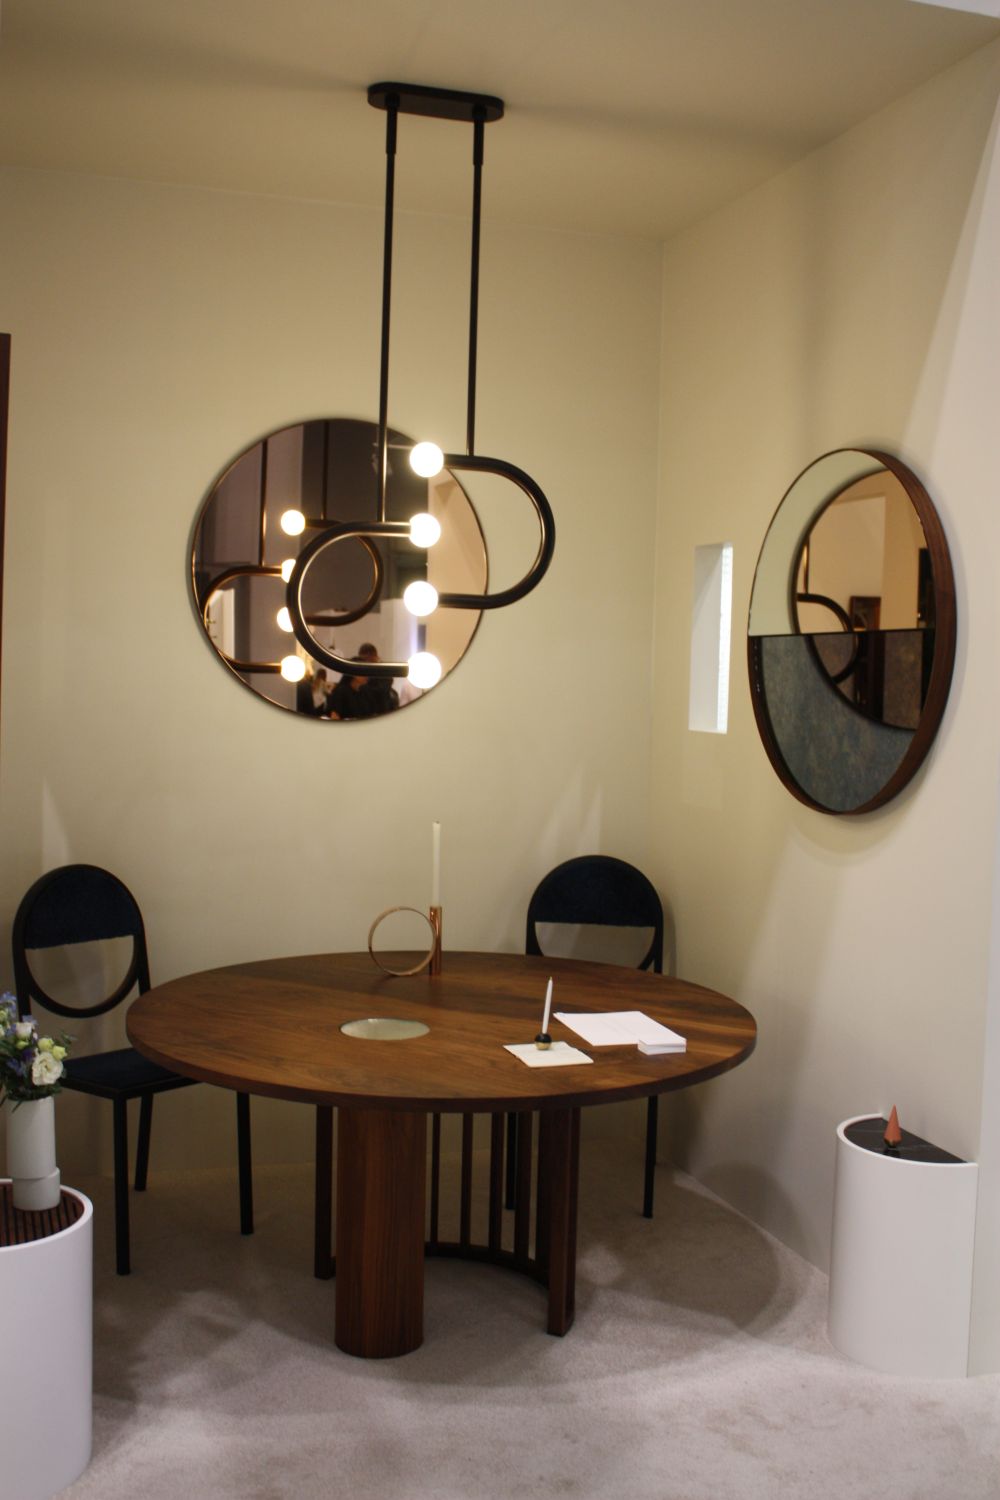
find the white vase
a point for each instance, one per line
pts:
(31, 1154)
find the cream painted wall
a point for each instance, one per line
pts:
(158, 330)
(852, 301)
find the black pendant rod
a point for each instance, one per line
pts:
(392, 111)
(440, 104)
(479, 131)
(326, 467)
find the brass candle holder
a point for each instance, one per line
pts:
(434, 917)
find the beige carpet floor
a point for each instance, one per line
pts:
(698, 1368)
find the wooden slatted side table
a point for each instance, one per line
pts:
(17, 1228)
(46, 1291)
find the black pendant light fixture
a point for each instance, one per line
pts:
(423, 530)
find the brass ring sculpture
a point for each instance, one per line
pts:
(424, 962)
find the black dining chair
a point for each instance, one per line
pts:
(597, 890)
(85, 904)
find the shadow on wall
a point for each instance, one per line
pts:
(757, 1194)
(726, 1129)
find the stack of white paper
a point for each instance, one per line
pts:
(618, 1028)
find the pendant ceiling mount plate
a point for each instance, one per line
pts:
(438, 104)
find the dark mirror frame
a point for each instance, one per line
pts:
(944, 638)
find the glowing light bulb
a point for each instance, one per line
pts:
(293, 668)
(284, 619)
(293, 522)
(420, 598)
(426, 459)
(286, 569)
(424, 529)
(424, 669)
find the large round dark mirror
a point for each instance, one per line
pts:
(352, 598)
(852, 631)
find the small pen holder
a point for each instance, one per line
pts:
(434, 917)
(543, 1040)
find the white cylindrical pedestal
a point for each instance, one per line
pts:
(901, 1261)
(46, 1292)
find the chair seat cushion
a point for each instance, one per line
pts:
(123, 1072)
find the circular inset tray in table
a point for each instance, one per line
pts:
(384, 1029)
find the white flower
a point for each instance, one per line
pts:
(24, 1030)
(45, 1070)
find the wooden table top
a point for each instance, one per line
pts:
(273, 1027)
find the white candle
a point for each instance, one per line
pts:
(548, 1008)
(435, 864)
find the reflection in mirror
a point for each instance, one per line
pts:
(851, 632)
(250, 532)
(862, 595)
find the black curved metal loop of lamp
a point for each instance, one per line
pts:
(328, 537)
(361, 530)
(472, 463)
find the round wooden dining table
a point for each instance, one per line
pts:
(273, 1027)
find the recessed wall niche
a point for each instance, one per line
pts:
(851, 638)
(711, 628)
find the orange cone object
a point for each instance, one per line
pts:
(893, 1134)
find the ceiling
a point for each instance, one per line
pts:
(634, 118)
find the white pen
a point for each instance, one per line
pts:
(543, 1039)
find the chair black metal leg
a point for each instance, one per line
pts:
(119, 1107)
(142, 1145)
(245, 1163)
(652, 1114)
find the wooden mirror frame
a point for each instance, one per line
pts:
(944, 640)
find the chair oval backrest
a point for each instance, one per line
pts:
(77, 904)
(597, 890)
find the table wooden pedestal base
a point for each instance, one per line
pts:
(555, 1228)
(381, 1170)
(379, 1265)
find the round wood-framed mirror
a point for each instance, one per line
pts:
(851, 635)
(324, 471)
